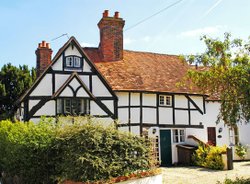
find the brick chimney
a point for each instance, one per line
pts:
(111, 37)
(43, 57)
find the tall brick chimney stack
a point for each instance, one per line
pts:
(111, 37)
(43, 57)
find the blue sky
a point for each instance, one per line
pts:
(177, 30)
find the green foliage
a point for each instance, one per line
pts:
(83, 151)
(209, 157)
(241, 151)
(236, 181)
(24, 150)
(13, 82)
(225, 74)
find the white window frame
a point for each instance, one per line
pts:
(179, 138)
(71, 106)
(70, 61)
(167, 100)
(77, 62)
(73, 62)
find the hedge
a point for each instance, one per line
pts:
(84, 151)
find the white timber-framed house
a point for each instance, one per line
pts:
(137, 88)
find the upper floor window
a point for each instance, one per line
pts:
(72, 106)
(165, 100)
(178, 135)
(72, 62)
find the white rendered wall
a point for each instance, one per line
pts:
(60, 80)
(109, 104)
(149, 115)
(58, 65)
(72, 51)
(86, 67)
(180, 101)
(123, 98)
(85, 80)
(99, 89)
(123, 115)
(44, 88)
(165, 115)
(32, 103)
(198, 100)
(135, 99)
(48, 109)
(74, 84)
(196, 117)
(181, 117)
(67, 92)
(82, 93)
(95, 109)
(149, 99)
(135, 115)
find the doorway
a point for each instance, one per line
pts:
(211, 135)
(166, 150)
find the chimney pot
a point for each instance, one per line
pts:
(48, 45)
(116, 15)
(105, 13)
(43, 43)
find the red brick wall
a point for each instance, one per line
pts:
(43, 57)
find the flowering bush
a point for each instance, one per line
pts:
(209, 157)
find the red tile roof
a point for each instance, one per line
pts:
(144, 71)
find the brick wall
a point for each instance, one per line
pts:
(111, 37)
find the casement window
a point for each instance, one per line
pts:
(178, 135)
(72, 106)
(234, 135)
(72, 62)
(165, 100)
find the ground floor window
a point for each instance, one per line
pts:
(234, 135)
(178, 135)
(72, 106)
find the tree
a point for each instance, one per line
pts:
(13, 82)
(224, 73)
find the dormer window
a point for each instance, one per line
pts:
(73, 62)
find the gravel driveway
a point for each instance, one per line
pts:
(197, 175)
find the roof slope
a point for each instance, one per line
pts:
(143, 71)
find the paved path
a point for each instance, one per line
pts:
(196, 175)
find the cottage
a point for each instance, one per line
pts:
(137, 88)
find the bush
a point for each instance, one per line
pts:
(83, 151)
(209, 157)
(241, 151)
(236, 181)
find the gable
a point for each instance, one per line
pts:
(87, 71)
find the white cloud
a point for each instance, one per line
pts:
(85, 44)
(128, 41)
(202, 31)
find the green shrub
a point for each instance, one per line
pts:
(83, 151)
(209, 157)
(92, 152)
(24, 150)
(241, 151)
(236, 181)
